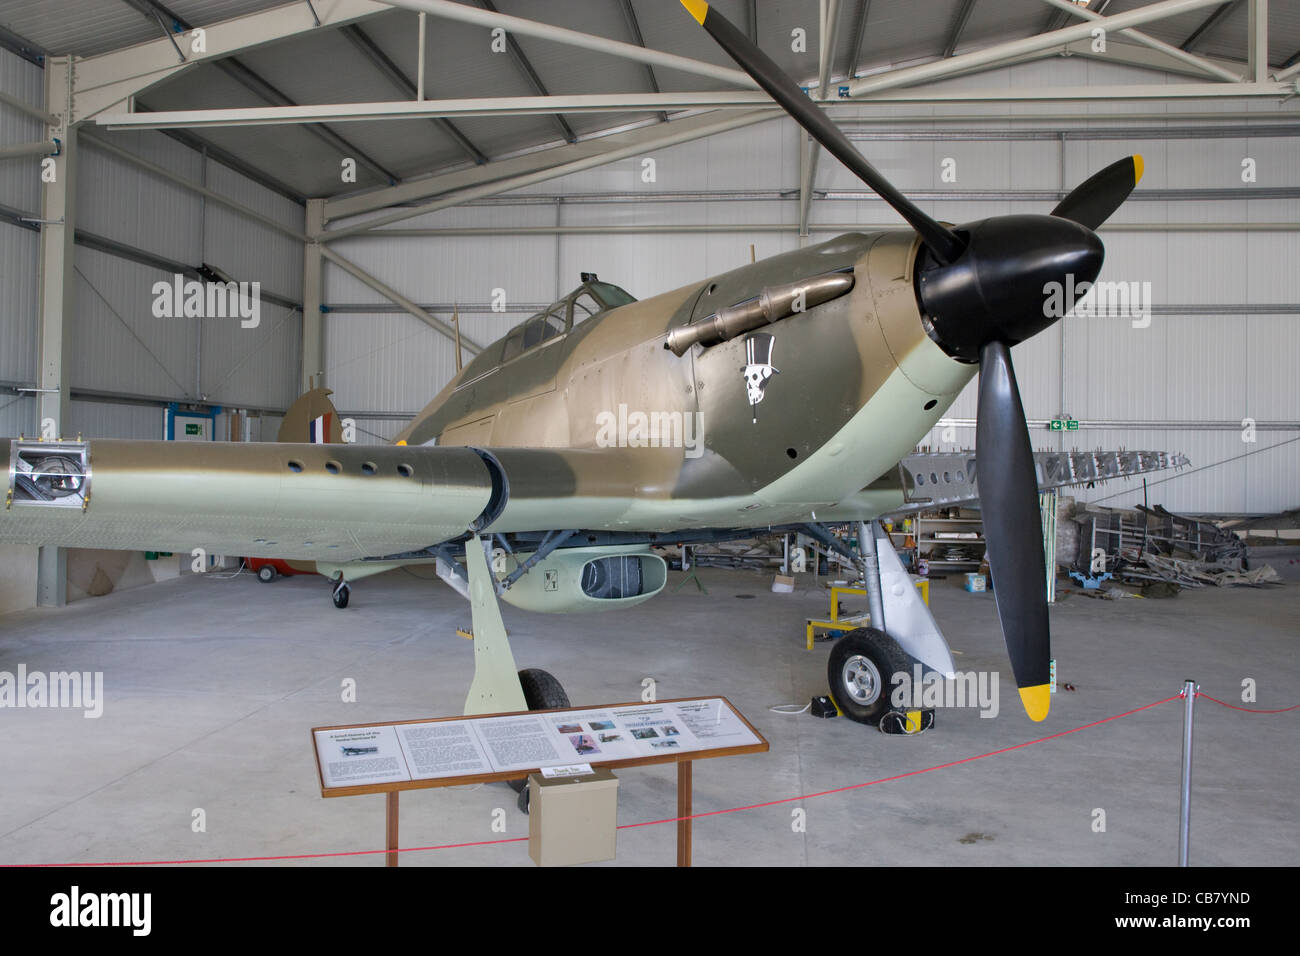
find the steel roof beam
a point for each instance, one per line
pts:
(587, 41)
(418, 109)
(1000, 54)
(1257, 42)
(859, 34)
(671, 134)
(254, 82)
(526, 68)
(634, 27)
(1208, 25)
(375, 54)
(1201, 64)
(653, 102)
(958, 27)
(20, 46)
(413, 191)
(112, 78)
(246, 77)
(810, 149)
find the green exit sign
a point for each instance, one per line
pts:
(198, 429)
(1063, 425)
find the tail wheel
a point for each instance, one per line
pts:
(541, 692)
(862, 665)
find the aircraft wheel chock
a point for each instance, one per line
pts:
(860, 669)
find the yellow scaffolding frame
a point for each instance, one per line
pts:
(857, 620)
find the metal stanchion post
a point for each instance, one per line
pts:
(1185, 808)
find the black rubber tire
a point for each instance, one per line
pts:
(266, 573)
(541, 692)
(341, 595)
(875, 657)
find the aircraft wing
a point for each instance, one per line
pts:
(333, 503)
(941, 479)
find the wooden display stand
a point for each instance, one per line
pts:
(684, 758)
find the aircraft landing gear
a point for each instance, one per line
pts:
(863, 662)
(542, 692)
(266, 574)
(341, 593)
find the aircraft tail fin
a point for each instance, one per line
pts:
(312, 418)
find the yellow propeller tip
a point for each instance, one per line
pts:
(1138, 167)
(401, 441)
(696, 8)
(1037, 701)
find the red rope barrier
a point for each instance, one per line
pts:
(624, 826)
(1247, 710)
(650, 823)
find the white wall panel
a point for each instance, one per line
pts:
(119, 200)
(19, 297)
(104, 420)
(18, 415)
(255, 366)
(246, 249)
(387, 362)
(20, 178)
(114, 343)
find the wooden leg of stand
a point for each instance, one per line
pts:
(391, 856)
(684, 810)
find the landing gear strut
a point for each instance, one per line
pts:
(864, 662)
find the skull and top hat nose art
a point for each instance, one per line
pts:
(758, 367)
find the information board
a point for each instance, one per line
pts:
(473, 746)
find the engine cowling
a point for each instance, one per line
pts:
(574, 580)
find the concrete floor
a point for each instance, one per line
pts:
(212, 684)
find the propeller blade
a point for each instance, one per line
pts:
(1013, 527)
(1094, 201)
(943, 243)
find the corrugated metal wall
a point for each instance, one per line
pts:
(19, 294)
(116, 345)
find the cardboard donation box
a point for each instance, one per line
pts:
(572, 819)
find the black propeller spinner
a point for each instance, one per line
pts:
(982, 288)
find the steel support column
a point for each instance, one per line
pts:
(1257, 40)
(57, 289)
(313, 355)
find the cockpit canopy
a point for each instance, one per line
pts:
(590, 298)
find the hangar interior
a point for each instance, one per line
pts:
(410, 180)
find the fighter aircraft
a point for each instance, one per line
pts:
(783, 394)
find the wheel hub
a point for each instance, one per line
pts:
(861, 679)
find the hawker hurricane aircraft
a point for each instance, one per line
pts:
(787, 394)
